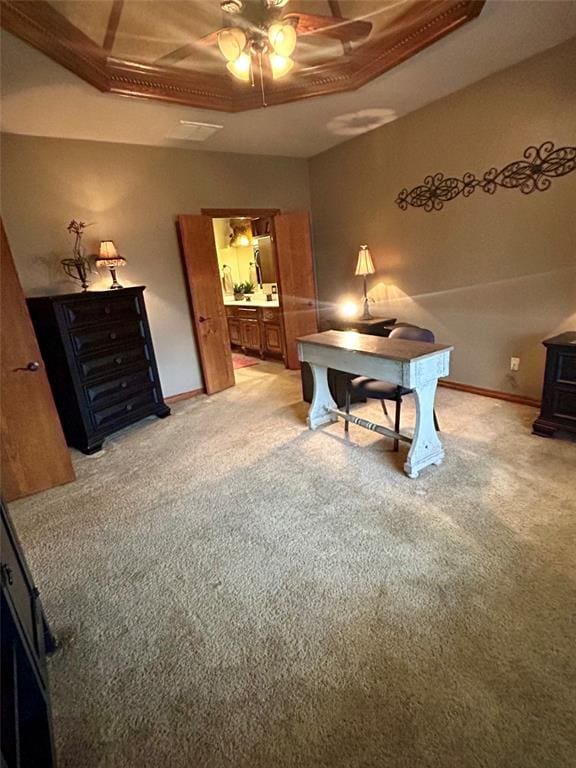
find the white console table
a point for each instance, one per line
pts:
(415, 365)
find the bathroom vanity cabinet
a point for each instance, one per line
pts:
(256, 329)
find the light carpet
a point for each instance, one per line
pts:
(234, 591)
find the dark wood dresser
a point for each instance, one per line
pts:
(26, 720)
(559, 392)
(100, 362)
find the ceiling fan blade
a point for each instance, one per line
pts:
(346, 30)
(210, 39)
(169, 59)
(175, 56)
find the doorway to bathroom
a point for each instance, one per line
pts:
(252, 288)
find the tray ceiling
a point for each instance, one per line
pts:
(166, 50)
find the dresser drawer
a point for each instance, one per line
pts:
(105, 393)
(564, 403)
(126, 411)
(118, 334)
(111, 363)
(15, 584)
(566, 371)
(243, 311)
(96, 311)
(270, 315)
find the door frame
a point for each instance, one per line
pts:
(230, 213)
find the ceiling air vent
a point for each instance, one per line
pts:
(187, 130)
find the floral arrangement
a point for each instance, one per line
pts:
(78, 266)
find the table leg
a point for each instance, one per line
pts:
(321, 400)
(426, 447)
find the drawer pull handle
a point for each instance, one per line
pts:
(118, 360)
(124, 384)
(113, 335)
(107, 309)
(7, 574)
(129, 407)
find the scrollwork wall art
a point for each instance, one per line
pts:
(532, 174)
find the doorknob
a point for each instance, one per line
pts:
(203, 319)
(32, 366)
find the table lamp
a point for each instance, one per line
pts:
(365, 266)
(109, 257)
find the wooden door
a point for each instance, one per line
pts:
(208, 312)
(33, 453)
(296, 279)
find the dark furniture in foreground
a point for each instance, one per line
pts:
(376, 326)
(559, 392)
(338, 380)
(364, 387)
(26, 719)
(100, 362)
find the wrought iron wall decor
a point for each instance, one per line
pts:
(534, 173)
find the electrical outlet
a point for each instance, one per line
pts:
(514, 363)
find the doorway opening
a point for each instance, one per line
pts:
(252, 289)
(247, 260)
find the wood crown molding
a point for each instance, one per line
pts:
(39, 24)
(228, 213)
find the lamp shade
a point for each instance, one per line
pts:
(282, 38)
(109, 256)
(231, 42)
(364, 265)
(280, 65)
(240, 67)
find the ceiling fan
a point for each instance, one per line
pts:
(260, 30)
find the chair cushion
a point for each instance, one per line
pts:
(376, 389)
(411, 333)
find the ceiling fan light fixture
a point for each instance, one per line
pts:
(240, 67)
(282, 38)
(231, 6)
(231, 42)
(280, 65)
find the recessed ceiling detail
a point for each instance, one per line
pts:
(166, 50)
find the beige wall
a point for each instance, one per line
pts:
(132, 194)
(493, 275)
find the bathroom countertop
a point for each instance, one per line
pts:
(254, 302)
